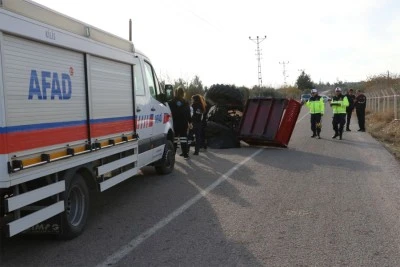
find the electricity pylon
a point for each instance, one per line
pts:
(258, 40)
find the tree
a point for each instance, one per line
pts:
(180, 82)
(195, 87)
(290, 92)
(263, 91)
(245, 92)
(304, 81)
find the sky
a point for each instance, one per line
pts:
(331, 41)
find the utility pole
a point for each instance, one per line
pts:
(284, 71)
(258, 40)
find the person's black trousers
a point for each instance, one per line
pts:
(338, 122)
(348, 118)
(197, 128)
(316, 123)
(361, 118)
(182, 138)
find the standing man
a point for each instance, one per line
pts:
(339, 104)
(360, 104)
(181, 117)
(317, 107)
(349, 110)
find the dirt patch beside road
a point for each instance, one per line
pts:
(384, 128)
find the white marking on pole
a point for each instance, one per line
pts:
(125, 250)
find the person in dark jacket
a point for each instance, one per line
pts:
(349, 110)
(199, 107)
(180, 110)
(204, 126)
(360, 104)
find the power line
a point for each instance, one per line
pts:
(284, 71)
(258, 40)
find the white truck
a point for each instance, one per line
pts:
(80, 110)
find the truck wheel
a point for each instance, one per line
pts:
(76, 207)
(217, 129)
(167, 163)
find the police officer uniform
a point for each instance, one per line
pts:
(339, 104)
(316, 105)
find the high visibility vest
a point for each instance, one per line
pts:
(316, 105)
(339, 104)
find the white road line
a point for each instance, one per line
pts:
(302, 117)
(125, 250)
(134, 243)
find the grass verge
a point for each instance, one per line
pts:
(384, 128)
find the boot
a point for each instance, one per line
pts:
(318, 133)
(185, 150)
(314, 135)
(335, 135)
(340, 135)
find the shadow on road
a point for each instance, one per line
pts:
(296, 161)
(119, 215)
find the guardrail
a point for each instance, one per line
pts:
(384, 101)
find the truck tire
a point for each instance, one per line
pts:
(220, 94)
(167, 162)
(219, 136)
(76, 212)
(216, 129)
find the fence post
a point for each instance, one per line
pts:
(387, 100)
(394, 103)
(384, 100)
(379, 102)
(372, 102)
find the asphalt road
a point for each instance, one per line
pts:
(317, 203)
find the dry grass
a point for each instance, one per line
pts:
(383, 127)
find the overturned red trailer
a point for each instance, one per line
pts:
(269, 121)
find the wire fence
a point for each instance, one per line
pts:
(386, 100)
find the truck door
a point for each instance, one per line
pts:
(143, 118)
(157, 110)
